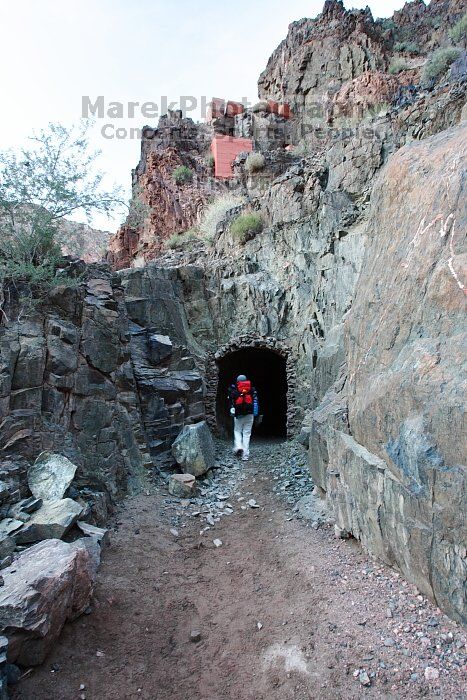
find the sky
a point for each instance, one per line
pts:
(54, 53)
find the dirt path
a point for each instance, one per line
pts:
(284, 611)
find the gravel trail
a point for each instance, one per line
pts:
(279, 610)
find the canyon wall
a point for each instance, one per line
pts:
(356, 276)
(67, 386)
(358, 272)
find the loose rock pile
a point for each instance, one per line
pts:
(218, 494)
(44, 585)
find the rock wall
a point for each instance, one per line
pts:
(388, 446)
(346, 278)
(321, 55)
(165, 349)
(67, 386)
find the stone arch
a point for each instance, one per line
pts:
(245, 342)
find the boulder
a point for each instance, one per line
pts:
(194, 449)
(47, 585)
(182, 485)
(50, 476)
(99, 534)
(52, 520)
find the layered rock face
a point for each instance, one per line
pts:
(67, 386)
(320, 55)
(388, 448)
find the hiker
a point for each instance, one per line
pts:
(244, 407)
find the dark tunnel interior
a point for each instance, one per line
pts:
(267, 371)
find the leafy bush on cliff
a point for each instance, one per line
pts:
(397, 65)
(180, 240)
(215, 212)
(40, 185)
(458, 33)
(182, 175)
(407, 47)
(439, 62)
(246, 226)
(210, 161)
(138, 210)
(254, 163)
(388, 25)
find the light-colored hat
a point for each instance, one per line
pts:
(241, 378)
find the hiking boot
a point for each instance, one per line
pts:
(245, 458)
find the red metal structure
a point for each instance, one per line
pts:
(225, 149)
(234, 108)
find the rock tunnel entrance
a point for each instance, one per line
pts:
(268, 373)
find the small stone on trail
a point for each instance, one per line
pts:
(182, 485)
(195, 636)
(82, 687)
(364, 678)
(252, 503)
(431, 674)
(259, 625)
(100, 653)
(218, 543)
(174, 532)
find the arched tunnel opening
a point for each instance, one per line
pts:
(267, 372)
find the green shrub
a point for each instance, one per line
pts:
(440, 61)
(40, 186)
(407, 47)
(180, 240)
(254, 163)
(458, 33)
(245, 227)
(210, 161)
(215, 212)
(182, 174)
(378, 109)
(387, 25)
(397, 65)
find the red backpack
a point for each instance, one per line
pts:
(246, 397)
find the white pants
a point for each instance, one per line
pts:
(243, 426)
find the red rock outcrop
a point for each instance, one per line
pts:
(168, 207)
